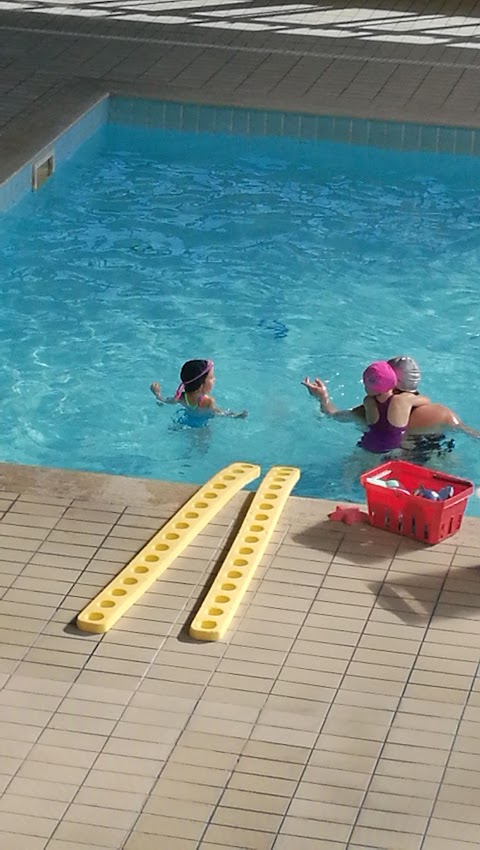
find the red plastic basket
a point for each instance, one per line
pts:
(415, 516)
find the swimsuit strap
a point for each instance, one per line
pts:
(194, 406)
(382, 408)
(191, 406)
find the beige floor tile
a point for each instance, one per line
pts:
(99, 815)
(31, 807)
(284, 735)
(217, 777)
(436, 843)
(441, 828)
(54, 844)
(409, 770)
(226, 836)
(267, 767)
(145, 750)
(170, 826)
(323, 811)
(415, 754)
(284, 842)
(39, 771)
(19, 731)
(337, 744)
(342, 761)
(254, 802)
(17, 841)
(430, 707)
(392, 802)
(440, 725)
(87, 743)
(26, 824)
(395, 821)
(89, 709)
(333, 776)
(97, 835)
(245, 819)
(256, 783)
(143, 841)
(310, 828)
(212, 725)
(42, 790)
(458, 794)
(457, 811)
(59, 755)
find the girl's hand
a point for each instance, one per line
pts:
(242, 415)
(156, 390)
(316, 388)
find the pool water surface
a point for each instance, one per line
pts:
(276, 258)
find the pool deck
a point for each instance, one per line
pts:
(342, 711)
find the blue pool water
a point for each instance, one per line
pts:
(276, 258)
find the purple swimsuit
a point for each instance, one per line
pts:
(382, 436)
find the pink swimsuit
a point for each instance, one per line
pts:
(382, 436)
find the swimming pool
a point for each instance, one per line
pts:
(275, 257)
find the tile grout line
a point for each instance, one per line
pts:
(228, 534)
(401, 697)
(447, 762)
(122, 514)
(39, 635)
(269, 693)
(332, 703)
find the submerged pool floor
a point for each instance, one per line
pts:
(274, 257)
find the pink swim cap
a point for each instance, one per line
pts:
(379, 378)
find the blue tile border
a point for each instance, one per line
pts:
(233, 120)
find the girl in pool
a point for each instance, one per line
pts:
(386, 413)
(193, 393)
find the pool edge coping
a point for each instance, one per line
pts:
(169, 496)
(30, 135)
(35, 131)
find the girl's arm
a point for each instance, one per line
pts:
(417, 400)
(209, 404)
(318, 390)
(157, 392)
(401, 407)
(371, 410)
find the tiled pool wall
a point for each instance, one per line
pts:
(200, 118)
(62, 146)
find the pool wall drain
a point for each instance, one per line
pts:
(227, 591)
(42, 170)
(132, 582)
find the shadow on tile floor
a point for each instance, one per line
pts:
(337, 27)
(425, 597)
(361, 541)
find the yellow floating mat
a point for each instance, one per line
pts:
(129, 585)
(233, 578)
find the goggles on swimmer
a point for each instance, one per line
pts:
(182, 387)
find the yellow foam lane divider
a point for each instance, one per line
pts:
(129, 585)
(219, 606)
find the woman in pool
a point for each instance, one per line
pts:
(193, 393)
(386, 413)
(427, 419)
